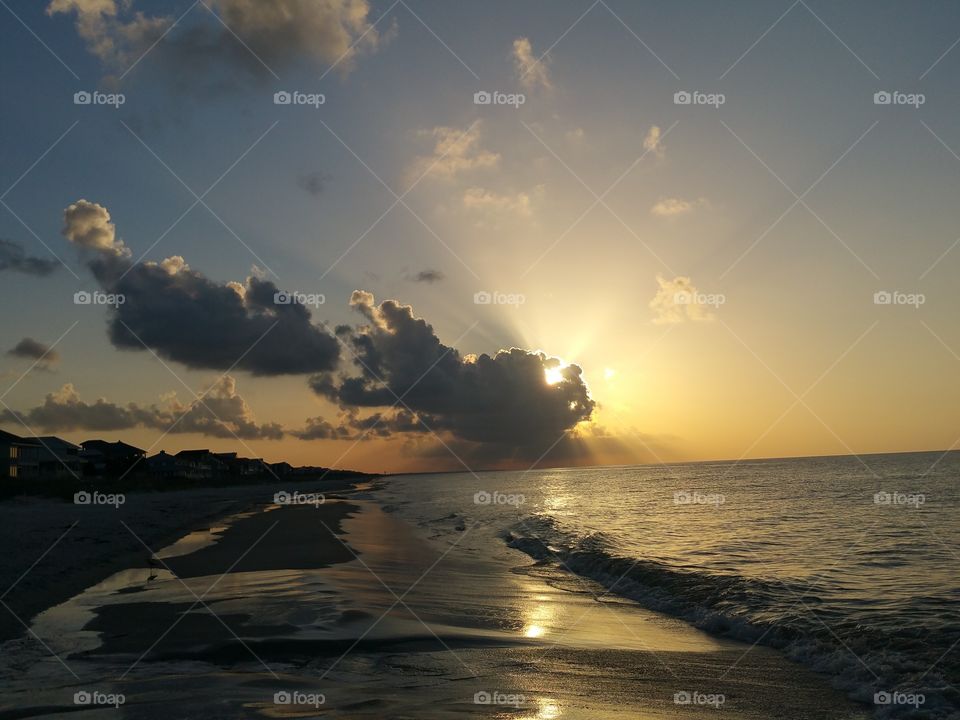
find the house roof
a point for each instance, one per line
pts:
(113, 448)
(12, 439)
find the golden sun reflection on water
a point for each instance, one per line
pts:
(538, 617)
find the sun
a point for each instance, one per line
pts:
(553, 375)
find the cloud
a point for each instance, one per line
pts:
(678, 300)
(672, 207)
(531, 72)
(14, 257)
(427, 276)
(454, 152)
(220, 412)
(481, 199)
(313, 183)
(113, 32)
(250, 35)
(184, 316)
(31, 349)
(502, 405)
(87, 225)
(653, 142)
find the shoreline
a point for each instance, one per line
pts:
(94, 544)
(348, 602)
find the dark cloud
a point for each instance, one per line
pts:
(14, 257)
(184, 316)
(219, 412)
(426, 276)
(313, 182)
(503, 403)
(34, 350)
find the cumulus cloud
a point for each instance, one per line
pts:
(427, 276)
(673, 207)
(502, 404)
(219, 412)
(256, 36)
(87, 225)
(653, 141)
(13, 257)
(184, 316)
(112, 31)
(454, 152)
(31, 349)
(678, 300)
(531, 72)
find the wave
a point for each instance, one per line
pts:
(862, 659)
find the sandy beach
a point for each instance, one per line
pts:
(343, 610)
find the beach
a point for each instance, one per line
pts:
(337, 607)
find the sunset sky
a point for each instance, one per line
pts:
(592, 212)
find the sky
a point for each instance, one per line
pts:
(481, 235)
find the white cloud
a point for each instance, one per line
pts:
(672, 206)
(678, 300)
(87, 224)
(653, 142)
(521, 203)
(531, 72)
(454, 152)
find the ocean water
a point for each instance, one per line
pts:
(850, 566)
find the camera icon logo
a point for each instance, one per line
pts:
(82, 498)
(683, 298)
(482, 298)
(882, 698)
(282, 297)
(882, 98)
(882, 297)
(482, 698)
(482, 498)
(82, 697)
(682, 97)
(482, 97)
(281, 498)
(82, 97)
(282, 698)
(682, 698)
(282, 97)
(82, 297)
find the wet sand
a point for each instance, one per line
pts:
(347, 612)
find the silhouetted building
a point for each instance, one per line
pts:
(111, 458)
(59, 458)
(199, 465)
(20, 456)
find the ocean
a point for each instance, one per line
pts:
(847, 565)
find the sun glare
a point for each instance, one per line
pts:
(554, 375)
